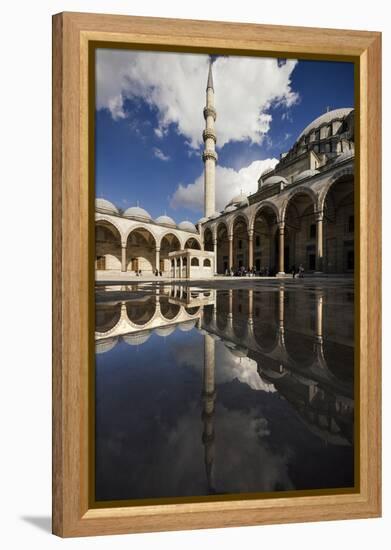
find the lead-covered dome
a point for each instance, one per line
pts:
(165, 220)
(137, 212)
(103, 205)
(306, 174)
(229, 208)
(239, 200)
(275, 179)
(326, 118)
(344, 156)
(187, 226)
(214, 215)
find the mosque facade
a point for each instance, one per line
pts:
(302, 214)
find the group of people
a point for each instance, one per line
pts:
(158, 273)
(299, 272)
(263, 272)
(243, 272)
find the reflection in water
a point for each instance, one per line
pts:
(202, 391)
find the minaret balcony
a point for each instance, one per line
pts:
(210, 111)
(209, 154)
(209, 133)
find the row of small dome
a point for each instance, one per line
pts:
(107, 207)
(271, 180)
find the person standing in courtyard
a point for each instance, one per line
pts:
(301, 271)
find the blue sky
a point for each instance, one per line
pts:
(149, 122)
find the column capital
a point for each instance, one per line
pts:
(230, 237)
(123, 244)
(319, 215)
(281, 226)
(214, 242)
(250, 233)
(157, 249)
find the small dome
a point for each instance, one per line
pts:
(239, 200)
(202, 220)
(306, 174)
(137, 212)
(186, 326)
(266, 171)
(275, 179)
(165, 220)
(137, 338)
(230, 208)
(214, 215)
(165, 331)
(105, 206)
(344, 156)
(187, 226)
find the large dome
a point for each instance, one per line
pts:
(326, 118)
(187, 226)
(165, 220)
(105, 206)
(137, 212)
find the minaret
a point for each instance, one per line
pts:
(209, 155)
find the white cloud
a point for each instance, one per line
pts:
(159, 154)
(174, 84)
(229, 183)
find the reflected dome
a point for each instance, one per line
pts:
(137, 338)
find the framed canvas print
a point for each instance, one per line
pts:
(216, 298)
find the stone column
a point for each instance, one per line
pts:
(251, 248)
(319, 241)
(157, 258)
(215, 255)
(231, 251)
(281, 247)
(123, 256)
(180, 267)
(174, 270)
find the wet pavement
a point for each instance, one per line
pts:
(224, 387)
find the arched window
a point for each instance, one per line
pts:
(207, 263)
(194, 261)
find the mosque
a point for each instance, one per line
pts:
(301, 214)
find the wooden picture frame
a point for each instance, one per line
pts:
(72, 272)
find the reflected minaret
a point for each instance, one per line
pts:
(281, 315)
(209, 396)
(209, 155)
(319, 329)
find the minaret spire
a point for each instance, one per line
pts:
(210, 77)
(209, 155)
